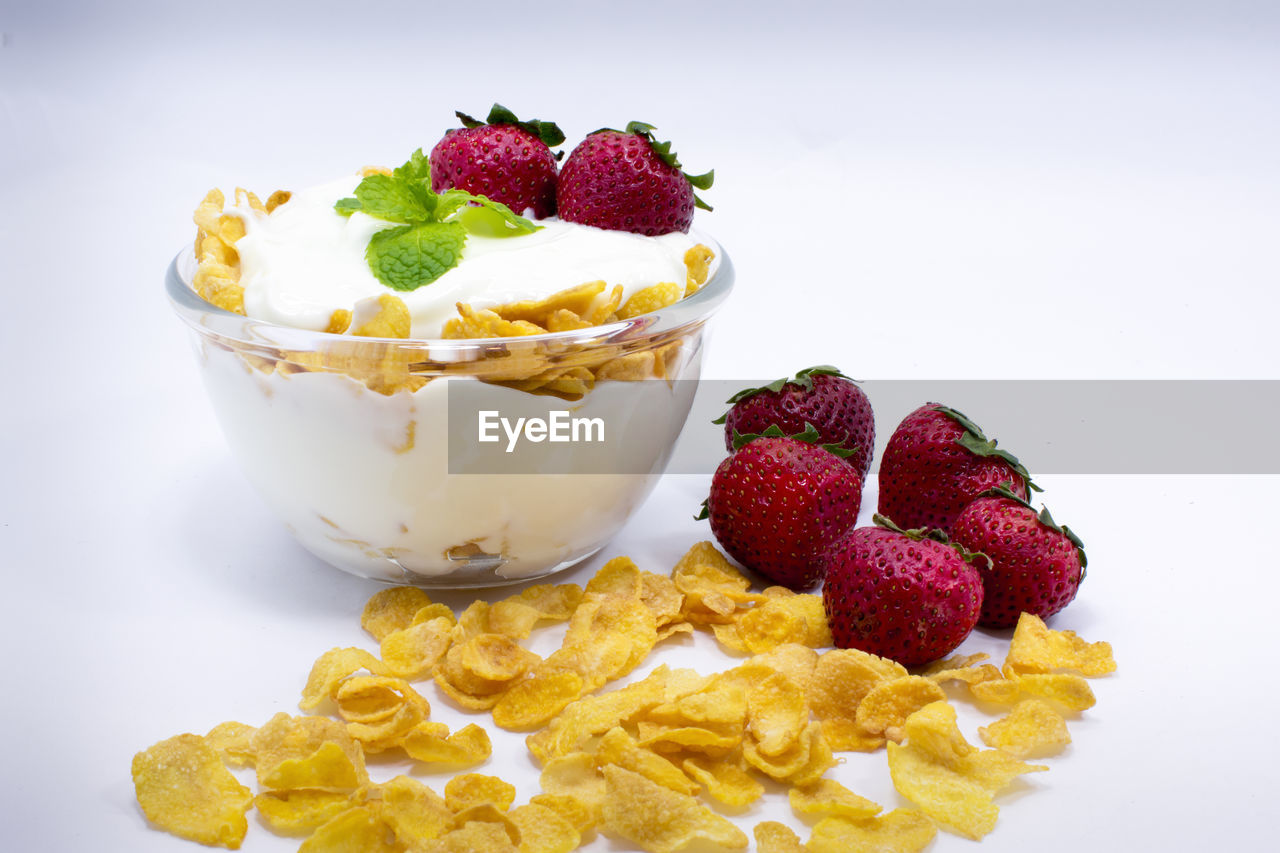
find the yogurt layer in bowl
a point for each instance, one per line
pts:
(336, 394)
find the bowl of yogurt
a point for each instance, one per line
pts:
(429, 457)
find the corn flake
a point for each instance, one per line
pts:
(658, 819)
(885, 709)
(184, 788)
(1032, 729)
(900, 831)
(950, 780)
(431, 743)
(544, 830)
(828, 798)
(1036, 648)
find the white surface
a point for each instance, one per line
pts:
(1082, 192)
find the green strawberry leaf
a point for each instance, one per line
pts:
(803, 379)
(666, 155)
(1004, 490)
(407, 257)
(705, 513)
(547, 131)
(809, 435)
(977, 443)
(917, 534)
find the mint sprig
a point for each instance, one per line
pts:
(430, 228)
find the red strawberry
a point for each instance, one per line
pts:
(938, 460)
(1035, 564)
(776, 503)
(904, 594)
(504, 159)
(819, 396)
(626, 181)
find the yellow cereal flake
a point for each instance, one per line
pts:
(650, 298)
(412, 653)
(900, 831)
(544, 830)
(475, 789)
(431, 743)
(727, 780)
(828, 798)
(1036, 648)
(577, 299)
(233, 741)
(1065, 690)
(697, 262)
(950, 780)
(358, 828)
(184, 789)
(276, 199)
(885, 709)
(1033, 729)
(484, 323)
(658, 819)
(330, 669)
(390, 319)
(774, 837)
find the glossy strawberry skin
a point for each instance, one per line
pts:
(926, 478)
(913, 601)
(502, 162)
(776, 504)
(615, 180)
(835, 406)
(1033, 567)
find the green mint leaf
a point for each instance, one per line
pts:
(487, 222)
(417, 168)
(407, 257)
(482, 216)
(386, 197)
(450, 202)
(347, 206)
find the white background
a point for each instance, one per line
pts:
(908, 190)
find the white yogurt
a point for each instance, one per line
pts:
(305, 260)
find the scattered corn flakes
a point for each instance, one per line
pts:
(184, 788)
(1036, 648)
(1031, 730)
(658, 819)
(900, 831)
(950, 780)
(828, 798)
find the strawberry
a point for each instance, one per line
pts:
(503, 159)
(822, 396)
(938, 460)
(776, 504)
(1035, 564)
(627, 181)
(905, 594)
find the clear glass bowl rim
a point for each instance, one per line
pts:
(246, 332)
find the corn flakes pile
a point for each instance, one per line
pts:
(652, 763)
(556, 369)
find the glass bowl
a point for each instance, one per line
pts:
(377, 456)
